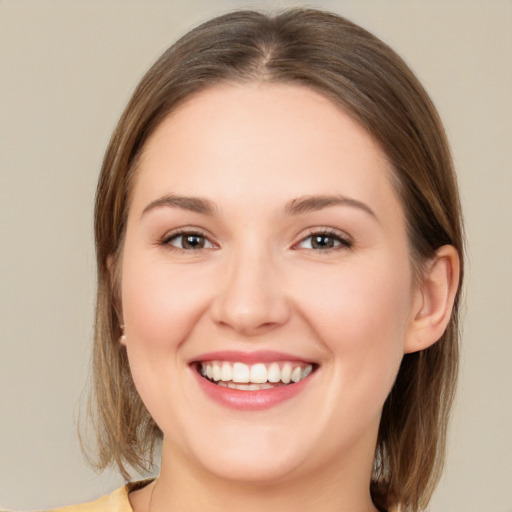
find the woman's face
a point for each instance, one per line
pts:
(265, 243)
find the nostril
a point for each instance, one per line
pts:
(252, 319)
(249, 300)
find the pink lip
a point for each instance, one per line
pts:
(249, 400)
(260, 356)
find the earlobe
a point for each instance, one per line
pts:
(122, 338)
(114, 278)
(437, 291)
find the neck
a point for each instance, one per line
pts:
(183, 485)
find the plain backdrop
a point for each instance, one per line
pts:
(67, 69)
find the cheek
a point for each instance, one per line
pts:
(160, 304)
(358, 298)
(161, 307)
(360, 313)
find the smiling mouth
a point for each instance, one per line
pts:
(255, 377)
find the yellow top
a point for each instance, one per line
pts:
(116, 502)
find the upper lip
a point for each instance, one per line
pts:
(259, 356)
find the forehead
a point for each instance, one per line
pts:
(264, 141)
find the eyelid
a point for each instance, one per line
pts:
(182, 231)
(346, 241)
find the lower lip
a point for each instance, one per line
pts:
(251, 400)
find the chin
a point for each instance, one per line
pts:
(260, 455)
(247, 468)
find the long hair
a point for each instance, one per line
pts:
(371, 83)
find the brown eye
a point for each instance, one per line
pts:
(189, 241)
(324, 241)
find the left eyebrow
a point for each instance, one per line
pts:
(306, 204)
(193, 204)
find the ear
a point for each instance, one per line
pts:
(434, 298)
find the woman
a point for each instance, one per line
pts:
(279, 249)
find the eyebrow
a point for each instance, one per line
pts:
(297, 206)
(306, 204)
(193, 204)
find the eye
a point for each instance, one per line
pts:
(324, 241)
(188, 241)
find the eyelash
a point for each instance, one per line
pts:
(338, 240)
(185, 233)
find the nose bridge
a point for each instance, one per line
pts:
(250, 298)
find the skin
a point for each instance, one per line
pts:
(259, 284)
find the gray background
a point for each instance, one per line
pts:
(66, 70)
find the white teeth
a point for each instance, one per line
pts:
(296, 374)
(240, 372)
(239, 375)
(215, 371)
(286, 373)
(306, 371)
(274, 373)
(225, 372)
(258, 373)
(246, 387)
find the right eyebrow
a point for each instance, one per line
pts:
(193, 204)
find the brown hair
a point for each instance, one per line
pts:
(369, 81)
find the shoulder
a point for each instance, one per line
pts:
(116, 502)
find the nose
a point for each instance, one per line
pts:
(251, 297)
